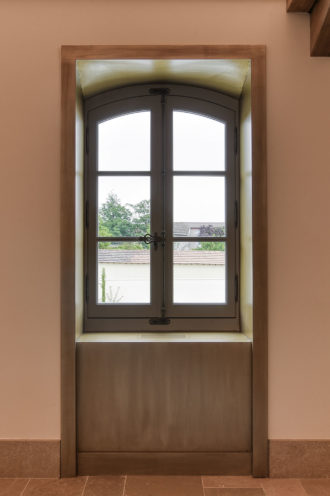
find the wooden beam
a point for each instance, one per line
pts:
(260, 264)
(299, 5)
(68, 365)
(320, 29)
(71, 53)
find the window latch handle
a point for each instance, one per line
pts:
(155, 239)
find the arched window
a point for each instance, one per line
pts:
(162, 221)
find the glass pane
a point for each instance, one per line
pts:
(123, 206)
(123, 273)
(198, 143)
(199, 206)
(199, 273)
(124, 143)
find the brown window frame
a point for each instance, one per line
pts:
(162, 314)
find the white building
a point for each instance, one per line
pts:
(199, 276)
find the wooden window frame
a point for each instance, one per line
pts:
(257, 55)
(189, 317)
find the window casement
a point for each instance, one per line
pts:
(162, 222)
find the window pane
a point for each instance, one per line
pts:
(124, 143)
(198, 143)
(199, 272)
(123, 206)
(123, 273)
(199, 206)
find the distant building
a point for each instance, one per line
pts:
(193, 229)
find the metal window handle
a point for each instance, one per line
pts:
(155, 239)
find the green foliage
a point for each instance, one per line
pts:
(120, 220)
(141, 218)
(113, 294)
(209, 230)
(103, 231)
(133, 220)
(115, 218)
(212, 246)
(103, 283)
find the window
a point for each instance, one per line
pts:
(161, 175)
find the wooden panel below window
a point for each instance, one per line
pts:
(164, 397)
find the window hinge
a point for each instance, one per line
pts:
(87, 140)
(236, 287)
(86, 214)
(86, 288)
(236, 140)
(236, 214)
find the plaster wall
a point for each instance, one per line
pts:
(130, 282)
(31, 33)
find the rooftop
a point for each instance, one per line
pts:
(189, 257)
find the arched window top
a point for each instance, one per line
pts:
(162, 90)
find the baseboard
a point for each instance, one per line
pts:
(299, 458)
(164, 463)
(287, 458)
(29, 458)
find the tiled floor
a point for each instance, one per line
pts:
(164, 486)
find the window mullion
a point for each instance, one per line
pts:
(168, 206)
(157, 202)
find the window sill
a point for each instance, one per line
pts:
(136, 337)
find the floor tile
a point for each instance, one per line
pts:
(282, 487)
(233, 491)
(55, 487)
(316, 487)
(111, 485)
(163, 486)
(229, 481)
(12, 487)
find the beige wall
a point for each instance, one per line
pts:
(31, 33)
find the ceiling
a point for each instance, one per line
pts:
(225, 75)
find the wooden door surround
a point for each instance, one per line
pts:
(70, 54)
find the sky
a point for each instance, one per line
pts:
(198, 144)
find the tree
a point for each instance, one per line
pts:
(212, 232)
(141, 217)
(120, 220)
(115, 219)
(133, 220)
